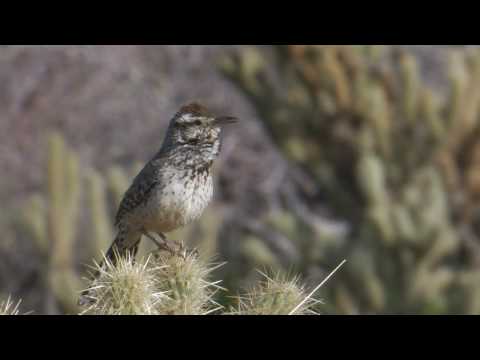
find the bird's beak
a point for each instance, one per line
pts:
(224, 120)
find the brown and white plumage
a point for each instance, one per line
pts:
(176, 185)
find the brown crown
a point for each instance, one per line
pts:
(195, 109)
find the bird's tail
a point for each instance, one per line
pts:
(122, 246)
(116, 252)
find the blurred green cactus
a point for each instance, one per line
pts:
(52, 222)
(101, 230)
(395, 160)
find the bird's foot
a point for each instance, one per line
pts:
(164, 245)
(167, 246)
(174, 248)
(183, 251)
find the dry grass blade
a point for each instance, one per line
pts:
(309, 296)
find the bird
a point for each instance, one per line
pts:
(175, 185)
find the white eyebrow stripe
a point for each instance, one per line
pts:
(190, 117)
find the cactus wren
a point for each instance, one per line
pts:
(175, 186)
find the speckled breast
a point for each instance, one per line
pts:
(180, 201)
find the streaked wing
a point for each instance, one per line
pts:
(142, 186)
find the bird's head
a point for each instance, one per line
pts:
(194, 125)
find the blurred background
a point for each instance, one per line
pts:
(365, 153)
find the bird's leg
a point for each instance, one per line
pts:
(174, 248)
(173, 244)
(182, 250)
(162, 246)
(186, 251)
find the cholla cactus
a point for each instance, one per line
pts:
(186, 282)
(8, 307)
(276, 295)
(166, 284)
(128, 288)
(281, 294)
(160, 284)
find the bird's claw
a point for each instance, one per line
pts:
(184, 252)
(178, 249)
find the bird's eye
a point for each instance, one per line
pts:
(198, 122)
